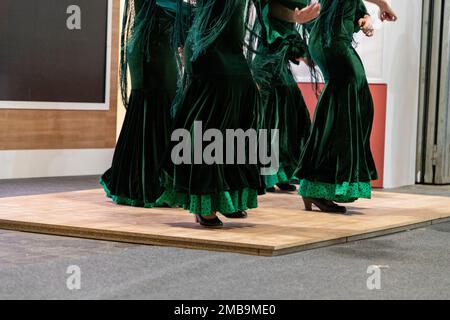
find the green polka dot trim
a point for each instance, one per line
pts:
(224, 202)
(124, 200)
(280, 177)
(346, 192)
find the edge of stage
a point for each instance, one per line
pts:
(279, 226)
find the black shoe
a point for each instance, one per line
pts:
(286, 187)
(323, 205)
(271, 190)
(209, 223)
(237, 215)
(341, 209)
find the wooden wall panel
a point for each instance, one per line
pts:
(58, 129)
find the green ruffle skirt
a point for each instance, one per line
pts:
(337, 162)
(220, 102)
(225, 202)
(135, 177)
(343, 193)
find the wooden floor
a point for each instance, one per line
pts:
(278, 226)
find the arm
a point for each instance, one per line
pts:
(363, 19)
(304, 15)
(386, 12)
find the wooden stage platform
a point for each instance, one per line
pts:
(279, 226)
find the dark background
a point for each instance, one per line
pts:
(42, 60)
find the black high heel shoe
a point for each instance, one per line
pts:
(237, 215)
(323, 205)
(209, 223)
(286, 187)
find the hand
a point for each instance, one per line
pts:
(366, 25)
(181, 54)
(304, 60)
(307, 14)
(386, 12)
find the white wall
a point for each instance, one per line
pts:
(53, 163)
(120, 107)
(402, 69)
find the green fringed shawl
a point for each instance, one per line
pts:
(203, 22)
(183, 21)
(211, 18)
(274, 43)
(137, 24)
(276, 30)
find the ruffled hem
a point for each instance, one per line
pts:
(124, 200)
(279, 177)
(344, 193)
(226, 202)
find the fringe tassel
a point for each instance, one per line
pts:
(123, 53)
(211, 18)
(137, 24)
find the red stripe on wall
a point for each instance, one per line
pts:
(378, 138)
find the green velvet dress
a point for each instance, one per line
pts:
(337, 162)
(135, 175)
(222, 94)
(283, 105)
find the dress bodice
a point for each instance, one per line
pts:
(225, 55)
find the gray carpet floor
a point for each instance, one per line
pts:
(414, 265)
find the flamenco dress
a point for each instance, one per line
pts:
(280, 44)
(337, 163)
(135, 177)
(221, 93)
